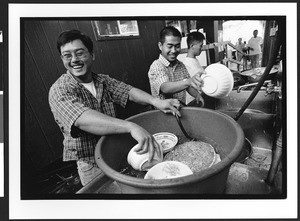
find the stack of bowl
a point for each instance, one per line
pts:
(218, 80)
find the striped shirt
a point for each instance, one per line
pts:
(161, 71)
(68, 99)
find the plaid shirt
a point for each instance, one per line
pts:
(162, 71)
(68, 99)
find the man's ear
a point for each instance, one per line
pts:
(160, 45)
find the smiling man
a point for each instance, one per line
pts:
(82, 103)
(168, 76)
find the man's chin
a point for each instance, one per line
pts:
(77, 73)
(172, 59)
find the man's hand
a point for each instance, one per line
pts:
(167, 106)
(200, 72)
(196, 81)
(199, 100)
(146, 142)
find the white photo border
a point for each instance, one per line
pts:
(152, 209)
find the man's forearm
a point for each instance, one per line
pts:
(101, 124)
(192, 91)
(141, 97)
(174, 86)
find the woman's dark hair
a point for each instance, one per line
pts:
(71, 35)
(169, 30)
(194, 36)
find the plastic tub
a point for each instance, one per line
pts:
(216, 128)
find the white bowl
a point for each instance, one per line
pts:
(168, 170)
(140, 161)
(218, 80)
(166, 140)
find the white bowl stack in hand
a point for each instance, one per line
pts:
(218, 80)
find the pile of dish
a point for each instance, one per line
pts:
(259, 71)
(255, 74)
(168, 170)
(140, 161)
(197, 155)
(181, 160)
(218, 80)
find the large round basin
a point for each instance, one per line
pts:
(213, 127)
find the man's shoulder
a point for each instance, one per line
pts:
(62, 83)
(157, 64)
(188, 60)
(59, 80)
(183, 63)
(100, 77)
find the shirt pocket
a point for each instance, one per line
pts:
(107, 104)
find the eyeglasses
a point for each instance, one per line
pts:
(78, 54)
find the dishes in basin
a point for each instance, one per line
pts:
(140, 161)
(168, 170)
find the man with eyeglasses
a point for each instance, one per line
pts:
(82, 103)
(168, 76)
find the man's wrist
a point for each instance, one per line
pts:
(129, 126)
(187, 82)
(153, 101)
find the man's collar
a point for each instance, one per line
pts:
(73, 79)
(95, 77)
(166, 62)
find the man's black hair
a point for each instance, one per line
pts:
(71, 35)
(194, 36)
(169, 30)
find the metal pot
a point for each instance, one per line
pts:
(246, 152)
(213, 127)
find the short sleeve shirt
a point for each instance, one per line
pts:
(161, 71)
(255, 44)
(68, 99)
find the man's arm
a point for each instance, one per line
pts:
(172, 87)
(197, 95)
(101, 124)
(167, 106)
(192, 91)
(261, 43)
(98, 123)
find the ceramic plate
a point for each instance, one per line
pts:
(166, 140)
(168, 170)
(197, 155)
